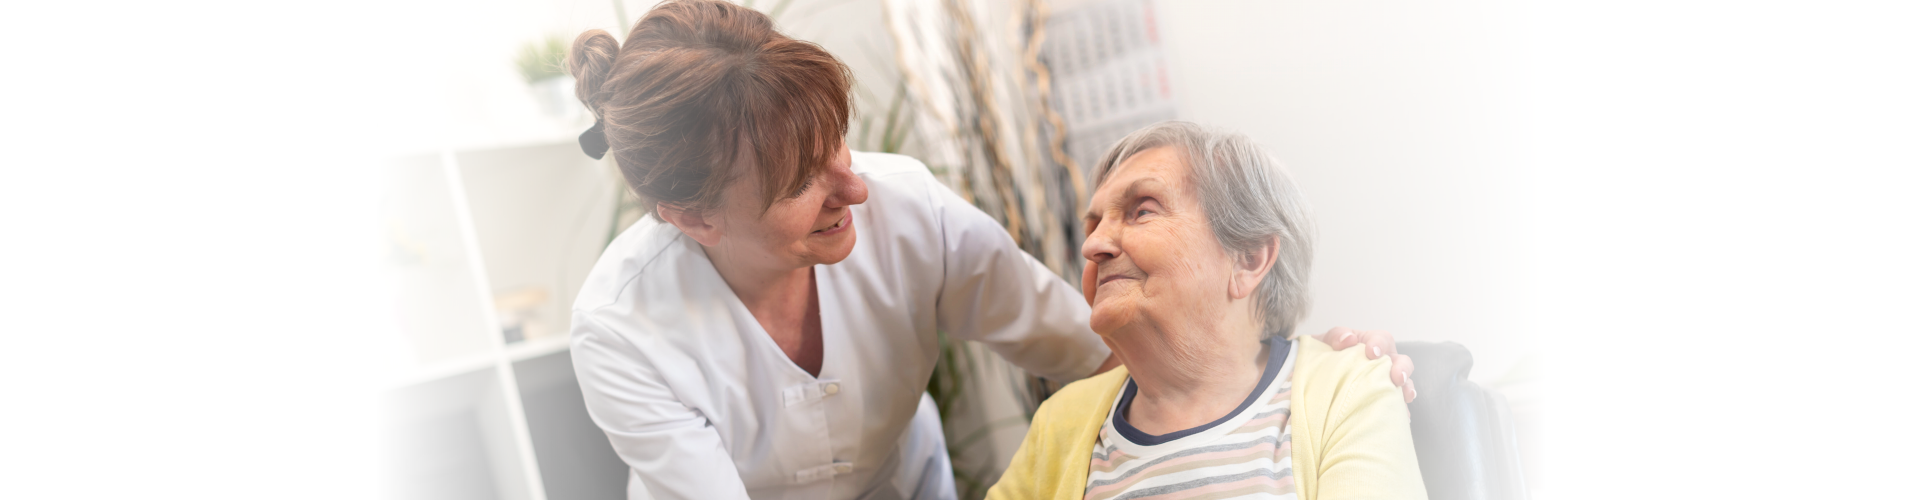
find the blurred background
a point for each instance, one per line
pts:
(326, 251)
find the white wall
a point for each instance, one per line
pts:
(1400, 121)
(1699, 216)
(1735, 241)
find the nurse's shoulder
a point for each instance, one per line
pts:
(901, 189)
(901, 222)
(897, 174)
(870, 163)
(651, 280)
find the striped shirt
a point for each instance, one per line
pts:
(1245, 454)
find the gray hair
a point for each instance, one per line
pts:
(1248, 197)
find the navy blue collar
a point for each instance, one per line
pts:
(1277, 353)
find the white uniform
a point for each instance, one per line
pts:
(701, 404)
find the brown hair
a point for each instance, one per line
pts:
(698, 84)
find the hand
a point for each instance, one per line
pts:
(1378, 344)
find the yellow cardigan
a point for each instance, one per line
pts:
(1349, 425)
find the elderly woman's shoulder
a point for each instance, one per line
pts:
(1317, 357)
(1323, 372)
(1089, 395)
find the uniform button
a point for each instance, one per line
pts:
(832, 388)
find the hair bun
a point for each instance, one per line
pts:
(590, 61)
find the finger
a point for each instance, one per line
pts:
(1403, 369)
(1340, 337)
(1406, 364)
(1408, 391)
(1332, 337)
(1380, 343)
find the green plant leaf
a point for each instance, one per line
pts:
(542, 59)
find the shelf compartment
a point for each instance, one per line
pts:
(576, 461)
(451, 438)
(541, 217)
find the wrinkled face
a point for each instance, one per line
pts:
(1152, 258)
(812, 226)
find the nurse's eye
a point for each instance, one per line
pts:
(804, 188)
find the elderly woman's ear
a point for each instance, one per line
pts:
(1088, 273)
(1251, 266)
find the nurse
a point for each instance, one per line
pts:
(770, 331)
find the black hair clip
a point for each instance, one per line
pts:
(594, 141)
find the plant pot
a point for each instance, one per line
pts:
(555, 96)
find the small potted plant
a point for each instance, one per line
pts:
(543, 65)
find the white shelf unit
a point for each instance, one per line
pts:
(489, 248)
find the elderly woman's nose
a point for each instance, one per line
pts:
(1100, 245)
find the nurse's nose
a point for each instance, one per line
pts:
(848, 188)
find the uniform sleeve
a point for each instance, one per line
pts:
(670, 448)
(1369, 450)
(996, 294)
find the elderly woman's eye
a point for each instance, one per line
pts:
(1144, 210)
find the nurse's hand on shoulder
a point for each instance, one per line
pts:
(1376, 343)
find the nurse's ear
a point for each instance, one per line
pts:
(692, 222)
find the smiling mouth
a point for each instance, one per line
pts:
(1113, 277)
(837, 225)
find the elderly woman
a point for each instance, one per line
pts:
(1198, 255)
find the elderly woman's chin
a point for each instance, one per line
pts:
(1111, 313)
